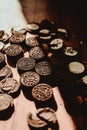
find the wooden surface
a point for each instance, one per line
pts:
(37, 10)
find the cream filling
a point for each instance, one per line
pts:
(76, 67)
(56, 43)
(62, 30)
(44, 31)
(84, 79)
(33, 26)
(70, 51)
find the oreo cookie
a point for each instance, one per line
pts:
(71, 54)
(31, 42)
(17, 39)
(44, 69)
(33, 27)
(56, 46)
(13, 52)
(6, 106)
(10, 86)
(43, 96)
(44, 35)
(63, 33)
(2, 60)
(18, 30)
(25, 64)
(5, 72)
(28, 80)
(37, 53)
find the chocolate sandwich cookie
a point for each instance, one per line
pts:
(18, 30)
(17, 39)
(44, 32)
(43, 96)
(44, 69)
(44, 35)
(37, 53)
(71, 54)
(35, 123)
(2, 60)
(25, 64)
(5, 72)
(51, 25)
(13, 52)
(48, 115)
(33, 28)
(6, 106)
(28, 81)
(63, 33)
(31, 42)
(10, 86)
(56, 46)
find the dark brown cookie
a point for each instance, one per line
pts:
(30, 78)
(56, 46)
(17, 39)
(33, 28)
(10, 86)
(43, 96)
(32, 42)
(63, 33)
(6, 106)
(13, 52)
(43, 68)
(42, 92)
(25, 64)
(37, 53)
